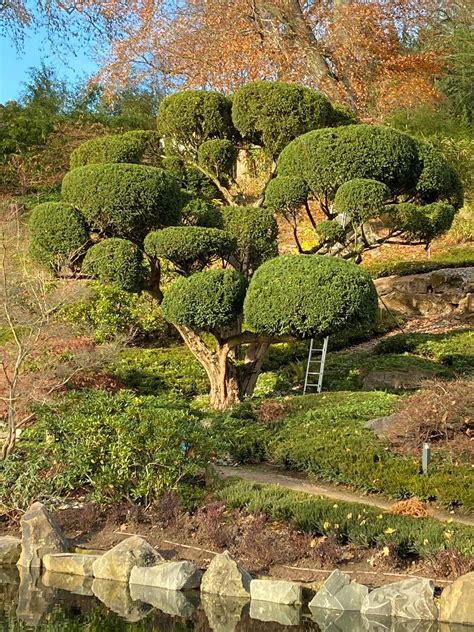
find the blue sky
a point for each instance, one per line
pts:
(14, 65)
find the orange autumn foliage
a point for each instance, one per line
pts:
(370, 54)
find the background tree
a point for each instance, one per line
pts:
(375, 56)
(234, 296)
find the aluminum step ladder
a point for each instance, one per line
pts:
(315, 366)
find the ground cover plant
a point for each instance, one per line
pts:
(350, 522)
(233, 296)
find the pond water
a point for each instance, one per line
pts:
(54, 602)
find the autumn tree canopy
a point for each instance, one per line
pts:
(374, 56)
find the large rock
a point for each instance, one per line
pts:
(182, 575)
(116, 564)
(70, 563)
(40, 535)
(338, 593)
(408, 599)
(437, 293)
(116, 596)
(225, 577)
(10, 549)
(172, 602)
(457, 601)
(282, 592)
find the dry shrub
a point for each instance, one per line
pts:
(440, 414)
(327, 552)
(386, 557)
(269, 411)
(449, 564)
(168, 510)
(210, 526)
(264, 543)
(411, 507)
(96, 380)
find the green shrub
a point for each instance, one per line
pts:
(361, 199)
(114, 148)
(438, 179)
(194, 184)
(115, 448)
(201, 213)
(116, 261)
(188, 119)
(342, 115)
(58, 235)
(272, 113)
(255, 231)
(151, 147)
(285, 195)
(451, 258)
(355, 523)
(189, 248)
(330, 441)
(124, 200)
(206, 300)
(331, 231)
(308, 295)
(327, 158)
(218, 156)
(112, 312)
(422, 223)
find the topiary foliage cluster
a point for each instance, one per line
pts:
(218, 156)
(422, 223)
(129, 148)
(58, 234)
(189, 248)
(188, 119)
(116, 261)
(272, 113)
(361, 199)
(255, 231)
(211, 300)
(308, 296)
(327, 158)
(123, 200)
(286, 195)
(198, 212)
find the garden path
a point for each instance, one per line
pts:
(272, 475)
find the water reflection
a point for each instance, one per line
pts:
(53, 602)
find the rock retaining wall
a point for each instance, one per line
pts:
(134, 572)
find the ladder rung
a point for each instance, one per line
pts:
(312, 384)
(313, 373)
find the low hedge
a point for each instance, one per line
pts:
(452, 258)
(354, 523)
(328, 438)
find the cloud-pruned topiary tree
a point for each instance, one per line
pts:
(130, 147)
(356, 174)
(208, 251)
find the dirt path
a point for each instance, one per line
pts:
(271, 475)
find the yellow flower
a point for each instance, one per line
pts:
(389, 531)
(425, 541)
(386, 551)
(362, 522)
(448, 535)
(349, 516)
(335, 506)
(380, 516)
(326, 525)
(336, 526)
(313, 543)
